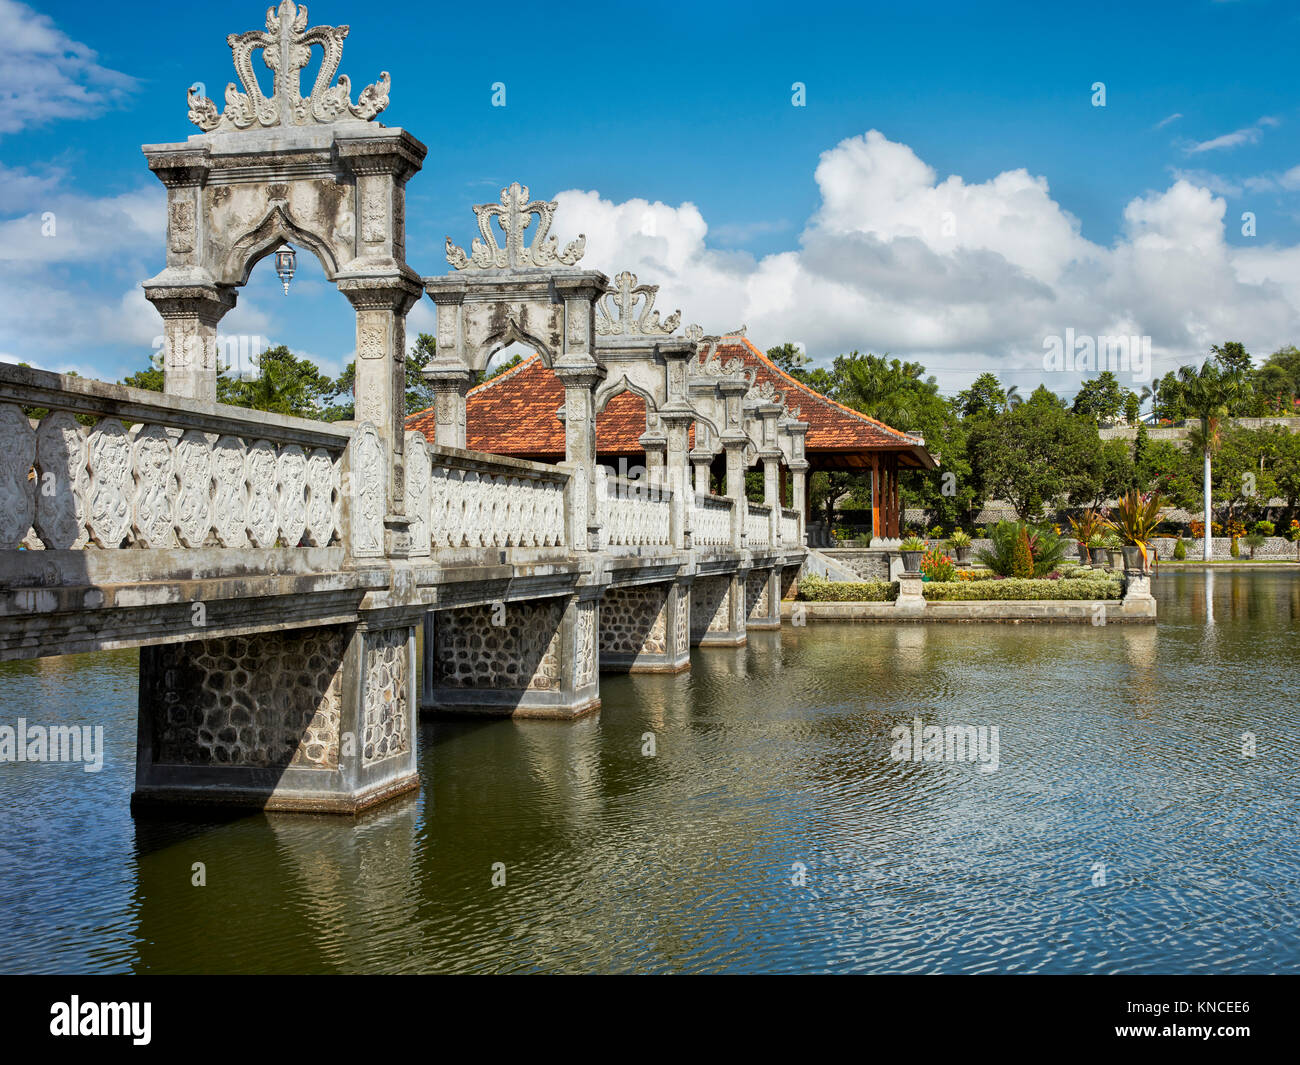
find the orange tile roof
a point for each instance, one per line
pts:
(514, 413)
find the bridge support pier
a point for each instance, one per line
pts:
(316, 720)
(718, 610)
(763, 599)
(521, 659)
(646, 629)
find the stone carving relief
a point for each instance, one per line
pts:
(617, 314)
(110, 483)
(259, 469)
(320, 499)
(291, 494)
(418, 471)
(585, 637)
(369, 492)
(514, 214)
(286, 47)
(193, 510)
(60, 463)
(17, 481)
(151, 462)
(180, 226)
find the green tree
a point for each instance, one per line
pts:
(985, 396)
(1100, 398)
(1030, 456)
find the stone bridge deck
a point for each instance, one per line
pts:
(133, 519)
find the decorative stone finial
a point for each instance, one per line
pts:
(616, 310)
(711, 363)
(286, 49)
(514, 214)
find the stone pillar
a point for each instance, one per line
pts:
(678, 475)
(799, 498)
(317, 719)
(911, 599)
(580, 434)
(717, 613)
(645, 629)
(736, 489)
(381, 304)
(763, 599)
(536, 658)
(1138, 601)
(772, 495)
(190, 315)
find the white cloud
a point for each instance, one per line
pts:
(962, 276)
(46, 75)
(1168, 118)
(1245, 135)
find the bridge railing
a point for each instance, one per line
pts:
(459, 499)
(789, 527)
(87, 464)
(711, 521)
(634, 513)
(758, 525)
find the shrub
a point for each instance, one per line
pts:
(1180, 549)
(1264, 528)
(1254, 540)
(1293, 533)
(814, 589)
(912, 543)
(1020, 588)
(1022, 560)
(1046, 548)
(959, 538)
(1235, 550)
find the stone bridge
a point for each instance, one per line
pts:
(274, 571)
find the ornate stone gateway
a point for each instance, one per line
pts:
(315, 172)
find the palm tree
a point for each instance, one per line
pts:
(1014, 398)
(1208, 393)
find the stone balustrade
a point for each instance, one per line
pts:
(789, 527)
(711, 522)
(758, 525)
(155, 471)
(633, 513)
(458, 498)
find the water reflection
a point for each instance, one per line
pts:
(1121, 751)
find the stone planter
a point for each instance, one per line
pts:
(1097, 556)
(1115, 557)
(1133, 559)
(911, 561)
(963, 554)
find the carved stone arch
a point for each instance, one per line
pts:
(511, 333)
(275, 228)
(618, 387)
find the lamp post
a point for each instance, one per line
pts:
(286, 260)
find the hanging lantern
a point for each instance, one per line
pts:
(286, 260)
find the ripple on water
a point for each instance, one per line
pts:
(770, 829)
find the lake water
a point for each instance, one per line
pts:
(771, 829)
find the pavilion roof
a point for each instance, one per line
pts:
(516, 413)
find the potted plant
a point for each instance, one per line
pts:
(1135, 521)
(912, 549)
(1114, 546)
(1084, 526)
(1096, 550)
(959, 541)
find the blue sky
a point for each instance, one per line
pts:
(800, 221)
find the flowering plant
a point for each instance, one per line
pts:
(937, 566)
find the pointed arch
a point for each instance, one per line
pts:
(276, 227)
